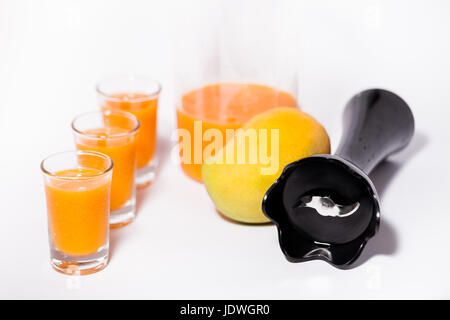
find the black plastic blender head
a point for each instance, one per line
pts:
(325, 206)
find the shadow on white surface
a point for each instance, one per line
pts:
(142, 194)
(253, 225)
(385, 241)
(164, 146)
(114, 240)
(385, 172)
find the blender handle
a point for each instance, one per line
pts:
(377, 123)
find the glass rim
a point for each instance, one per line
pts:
(77, 152)
(126, 114)
(110, 97)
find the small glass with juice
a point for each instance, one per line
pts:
(113, 133)
(77, 188)
(139, 96)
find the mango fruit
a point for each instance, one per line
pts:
(238, 175)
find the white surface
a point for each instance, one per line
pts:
(52, 53)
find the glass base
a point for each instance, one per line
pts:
(146, 175)
(123, 216)
(79, 265)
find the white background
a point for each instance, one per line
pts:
(53, 52)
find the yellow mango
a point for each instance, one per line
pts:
(238, 176)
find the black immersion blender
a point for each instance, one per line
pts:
(325, 206)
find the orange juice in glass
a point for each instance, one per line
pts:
(113, 133)
(77, 188)
(221, 106)
(139, 96)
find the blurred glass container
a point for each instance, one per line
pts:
(233, 60)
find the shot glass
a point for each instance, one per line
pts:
(114, 134)
(139, 96)
(77, 188)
